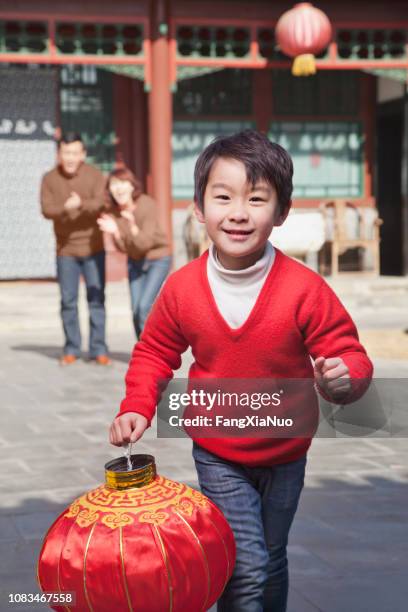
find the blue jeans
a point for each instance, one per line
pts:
(146, 277)
(69, 270)
(259, 503)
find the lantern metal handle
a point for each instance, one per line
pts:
(118, 477)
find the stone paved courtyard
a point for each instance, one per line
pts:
(348, 548)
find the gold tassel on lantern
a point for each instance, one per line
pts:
(304, 65)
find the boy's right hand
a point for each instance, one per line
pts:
(128, 427)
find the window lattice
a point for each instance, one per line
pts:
(215, 42)
(23, 36)
(371, 44)
(99, 39)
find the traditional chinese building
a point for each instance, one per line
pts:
(152, 82)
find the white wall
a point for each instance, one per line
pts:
(27, 151)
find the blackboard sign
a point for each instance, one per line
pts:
(188, 140)
(327, 156)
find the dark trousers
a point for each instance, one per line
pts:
(69, 271)
(259, 503)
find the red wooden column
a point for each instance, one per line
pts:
(130, 122)
(160, 115)
(262, 98)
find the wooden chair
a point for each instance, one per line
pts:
(340, 241)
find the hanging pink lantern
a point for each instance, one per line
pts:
(301, 33)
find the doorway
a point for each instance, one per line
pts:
(390, 124)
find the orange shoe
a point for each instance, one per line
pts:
(103, 360)
(68, 360)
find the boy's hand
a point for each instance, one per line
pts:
(128, 427)
(333, 376)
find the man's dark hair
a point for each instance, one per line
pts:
(262, 159)
(68, 137)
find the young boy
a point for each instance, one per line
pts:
(247, 311)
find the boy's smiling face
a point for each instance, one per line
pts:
(238, 216)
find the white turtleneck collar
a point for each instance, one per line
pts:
(236, 291)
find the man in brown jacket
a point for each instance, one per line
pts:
(72, 196)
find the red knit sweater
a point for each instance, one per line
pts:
(296, 316)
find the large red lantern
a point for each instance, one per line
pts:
(140, 543)
(301, 33)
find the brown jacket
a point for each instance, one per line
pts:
(76, 231)
(151, 241)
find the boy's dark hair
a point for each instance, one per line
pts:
(69, 137)
(262, 159)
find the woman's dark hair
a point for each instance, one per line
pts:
(123, 173)
(262, 159)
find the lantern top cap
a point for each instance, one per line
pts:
(118, 477)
